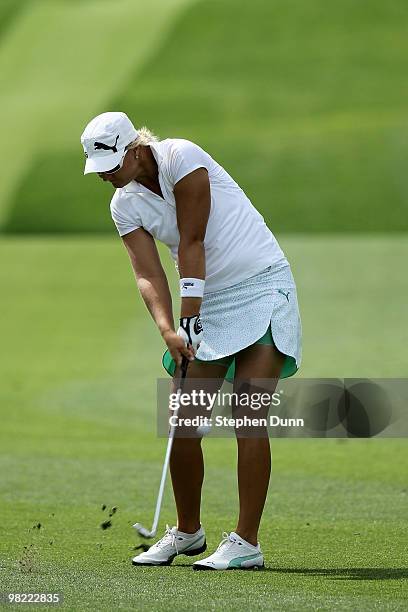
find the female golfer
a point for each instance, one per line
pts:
(239, 315)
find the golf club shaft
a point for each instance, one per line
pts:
(184, 366)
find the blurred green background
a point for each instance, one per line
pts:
(304, 103)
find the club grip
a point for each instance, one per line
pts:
(184, 366)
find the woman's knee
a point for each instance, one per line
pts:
(251, 436)
(186, 444)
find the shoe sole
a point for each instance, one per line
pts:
(214, 569)
(188, 553)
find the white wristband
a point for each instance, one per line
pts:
(192, 287)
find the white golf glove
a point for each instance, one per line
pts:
(191, 330)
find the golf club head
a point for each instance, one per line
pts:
(142, 531)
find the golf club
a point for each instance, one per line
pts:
(143, 531)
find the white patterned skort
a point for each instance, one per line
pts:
(259, 307)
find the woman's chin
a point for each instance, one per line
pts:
(119, 184)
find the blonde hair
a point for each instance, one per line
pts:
(145, 137)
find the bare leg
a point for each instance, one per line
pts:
(186, 460)
(187, 475)
(254, 456)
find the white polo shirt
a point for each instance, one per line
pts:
(238, 244)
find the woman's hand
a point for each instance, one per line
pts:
(177, 347)
(191, 330)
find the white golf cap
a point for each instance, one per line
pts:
(105, 139)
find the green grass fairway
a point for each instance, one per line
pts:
(79, 362)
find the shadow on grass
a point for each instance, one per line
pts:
(338, 573)
(348, 573)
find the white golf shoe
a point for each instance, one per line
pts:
(232, 553)
(173, 543)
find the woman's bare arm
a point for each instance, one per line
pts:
(154, 288)
(150, 277)
(193, 203)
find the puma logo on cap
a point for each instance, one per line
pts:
(105, 147)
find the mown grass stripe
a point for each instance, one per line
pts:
(60, 63)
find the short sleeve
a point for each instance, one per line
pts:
(184, 158)
(125, 219)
